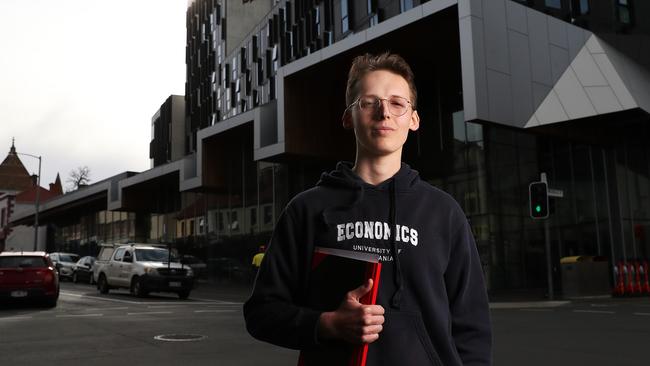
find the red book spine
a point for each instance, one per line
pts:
(374, 271)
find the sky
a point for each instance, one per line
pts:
(81, 79)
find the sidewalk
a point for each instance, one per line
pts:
(239, 293)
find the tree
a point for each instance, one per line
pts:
(78, 178)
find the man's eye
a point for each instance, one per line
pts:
(398, 103)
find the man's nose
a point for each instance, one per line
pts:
(382, 111)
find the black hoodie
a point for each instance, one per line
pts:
(433, 292)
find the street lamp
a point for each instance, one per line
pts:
(38, 196)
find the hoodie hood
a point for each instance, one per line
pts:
(343, 177)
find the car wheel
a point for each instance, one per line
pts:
(137, 288)
(50, 302)
(102, 285)
(183, 295)
(74, 277)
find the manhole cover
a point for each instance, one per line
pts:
(180, 337)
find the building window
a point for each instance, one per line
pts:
(268, 214)
(372, 12)
(584, 7)
(345, 20)
(555, 4)
(623, 10)
(234, 220)
(2, 218)
(253, 216)
(404, 5)
(220, 218)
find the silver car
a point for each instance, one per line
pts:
(64, 263)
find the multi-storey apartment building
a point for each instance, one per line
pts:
(507, 90)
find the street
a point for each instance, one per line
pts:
(88, 328)
(587, 332)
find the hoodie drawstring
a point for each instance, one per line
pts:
(397, 296)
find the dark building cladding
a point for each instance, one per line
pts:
(486, 166)
(167, 132)
(507, 90)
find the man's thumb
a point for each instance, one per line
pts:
(358, 292)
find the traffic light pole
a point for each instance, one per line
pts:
(547, 240)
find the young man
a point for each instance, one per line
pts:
(432, 305)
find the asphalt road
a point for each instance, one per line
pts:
(599, 332)
(87, 328)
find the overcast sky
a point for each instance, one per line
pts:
(81, 79)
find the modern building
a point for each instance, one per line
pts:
(507, 90)
(168, 132)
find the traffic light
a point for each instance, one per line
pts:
(538, 198)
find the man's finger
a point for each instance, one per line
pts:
(373, 320)
(358, 292)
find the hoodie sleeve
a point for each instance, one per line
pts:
(468, 303)
(272, 313)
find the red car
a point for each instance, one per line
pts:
(28, 275)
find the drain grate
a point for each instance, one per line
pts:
(180, 337)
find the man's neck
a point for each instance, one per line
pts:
(375, 170)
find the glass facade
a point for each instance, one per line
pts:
(604, 209)
(82, 236)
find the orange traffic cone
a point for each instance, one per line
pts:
(646, 284)
(619, 289)
(629, 279)
(637, 270)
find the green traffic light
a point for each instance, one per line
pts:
(538, 208)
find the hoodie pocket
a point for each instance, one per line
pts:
(403, 341)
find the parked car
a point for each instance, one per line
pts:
(28, 275)
(142, 268)
(83, 270)
(64, 263)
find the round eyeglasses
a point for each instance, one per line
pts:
(397, 106)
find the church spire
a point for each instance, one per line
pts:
(12, 151)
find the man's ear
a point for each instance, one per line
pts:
(415, 121)
(346, 120)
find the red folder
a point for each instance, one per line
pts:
(334, 273)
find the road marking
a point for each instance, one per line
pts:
(219, 301)
(78, 315)
(542, 310)
(642, 314)
(594, 311)
(214, 311)
(178, 303)
(115, 308)
(163, 306)
(151, 313)
(100, 298)
(16, 318)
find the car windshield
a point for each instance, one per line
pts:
(22, 262)
(72, 258)
(153, 255)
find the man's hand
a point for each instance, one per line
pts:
(352, 321)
